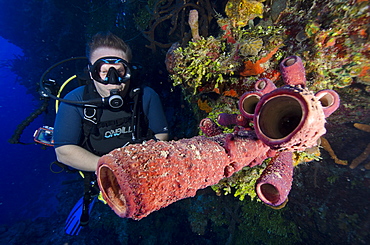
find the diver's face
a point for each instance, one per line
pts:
(104, 89)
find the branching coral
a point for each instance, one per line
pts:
(171, 14)
(359, 159)
(326, 145)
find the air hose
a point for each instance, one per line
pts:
(45, 95)
(19, 130)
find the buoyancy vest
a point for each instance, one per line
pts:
(106, 129)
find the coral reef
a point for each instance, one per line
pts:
(211, 63)
(338, 42)
(299, 27)
(248, 50)
(138, 179)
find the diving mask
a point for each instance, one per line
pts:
(116, 74)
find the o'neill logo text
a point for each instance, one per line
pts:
(117, 132)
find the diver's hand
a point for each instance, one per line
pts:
(162, 136)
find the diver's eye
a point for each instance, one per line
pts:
(121, 71)
(103, 74)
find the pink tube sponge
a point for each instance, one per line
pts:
(289, 118)
(275, 182)
(139, 179)
(292, 71)
(209, 127)
(329, 100)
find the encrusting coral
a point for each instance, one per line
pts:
(253, 69)
(251, 47)
(242, 11)
(203, 105)
(341, 48)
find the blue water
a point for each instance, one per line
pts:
(27, 185)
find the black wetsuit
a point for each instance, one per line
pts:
(68, 128)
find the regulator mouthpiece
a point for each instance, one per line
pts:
(115, 100)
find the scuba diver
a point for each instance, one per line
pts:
(121, 112)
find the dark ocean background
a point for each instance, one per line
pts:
(27, 185)
(328, 204)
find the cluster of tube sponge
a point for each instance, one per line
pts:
(138, 179)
